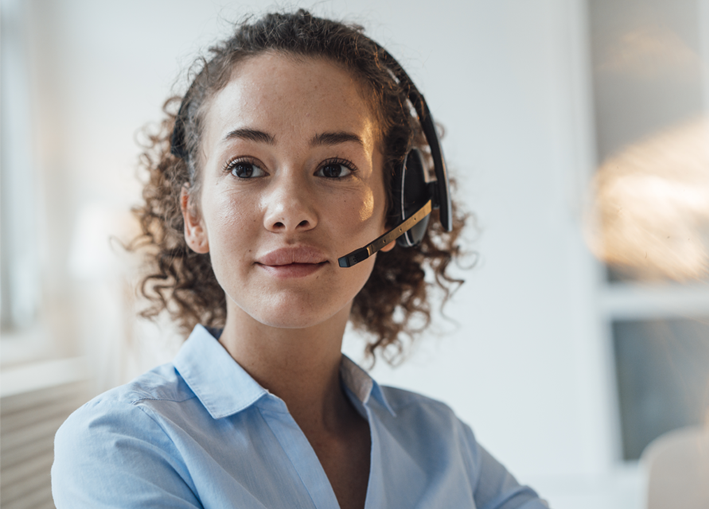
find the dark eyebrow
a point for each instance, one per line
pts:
(251, 134)
(335, 138)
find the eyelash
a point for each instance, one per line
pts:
(232, 163)
(339, 161)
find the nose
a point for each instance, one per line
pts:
(290, 206)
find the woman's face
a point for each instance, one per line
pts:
(292, 179)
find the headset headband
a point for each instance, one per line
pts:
(442, 202)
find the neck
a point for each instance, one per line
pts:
(300, 366)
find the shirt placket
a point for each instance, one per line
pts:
(299, 451)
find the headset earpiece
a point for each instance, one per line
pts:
(411, 193)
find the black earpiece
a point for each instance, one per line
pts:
(411, 192)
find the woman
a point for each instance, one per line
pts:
(294, 147)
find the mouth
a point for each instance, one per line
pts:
(296, 261)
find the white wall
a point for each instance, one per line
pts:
(527, 364)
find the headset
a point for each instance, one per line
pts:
(414, 196)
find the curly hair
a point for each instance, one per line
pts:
(394, 303)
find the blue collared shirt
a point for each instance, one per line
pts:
(200, 432)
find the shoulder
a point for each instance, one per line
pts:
(429, 429)
(120, 435)
(129, 408)
(162, 383)
(427, 421)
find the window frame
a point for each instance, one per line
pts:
(25, 336)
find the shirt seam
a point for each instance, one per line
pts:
(469, 442)
(167, 435)
(147, 398)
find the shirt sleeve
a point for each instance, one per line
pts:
(496, 488)
(115, 455)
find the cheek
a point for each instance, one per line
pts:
(356, 214)
(366, 209)
(230, 220)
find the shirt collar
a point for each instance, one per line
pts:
(361, 384)
(213, 375)
(220, 383)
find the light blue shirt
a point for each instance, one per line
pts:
(200, 432)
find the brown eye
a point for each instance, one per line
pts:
(245, 170)
(333, 171)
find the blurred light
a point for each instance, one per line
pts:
(650, 51)
(93, 254)
(650, 214)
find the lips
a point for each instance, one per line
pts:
(296, 261)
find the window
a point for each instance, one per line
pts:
(19, 258)
(652, 194)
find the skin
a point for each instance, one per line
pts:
(291, 170)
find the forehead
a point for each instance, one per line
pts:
(290, 96)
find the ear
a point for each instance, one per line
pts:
(195, 232)
(389, 246)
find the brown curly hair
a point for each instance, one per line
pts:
(394, 302)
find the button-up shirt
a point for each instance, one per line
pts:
(200, 432)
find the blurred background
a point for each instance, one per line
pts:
(577, 131)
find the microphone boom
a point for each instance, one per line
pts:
(365, 252)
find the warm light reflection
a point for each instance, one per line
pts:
(649, 51)
(651, 206)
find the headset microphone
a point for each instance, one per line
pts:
(414, 196)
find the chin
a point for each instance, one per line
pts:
(296, 312)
